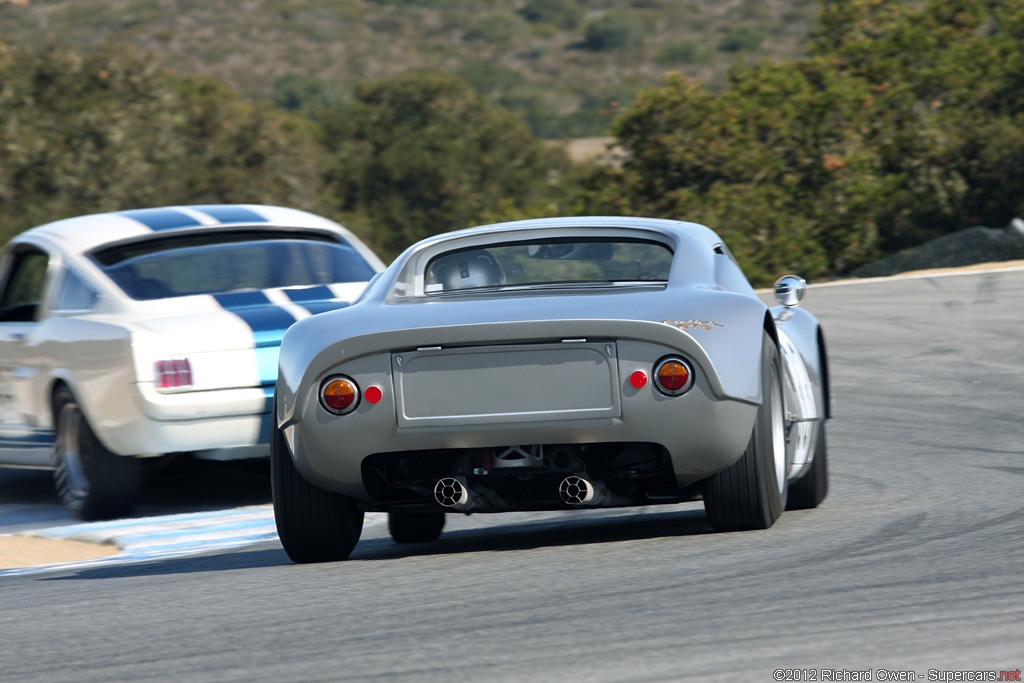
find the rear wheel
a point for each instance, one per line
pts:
(751, 494)
(809, 490)
(90, 480)
(314, 525)
(415, 527)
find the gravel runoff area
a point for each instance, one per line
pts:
(22, 550)
(971, 249)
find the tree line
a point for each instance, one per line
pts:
(903, 123)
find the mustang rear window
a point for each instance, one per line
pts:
(550, 263)
(218, 262)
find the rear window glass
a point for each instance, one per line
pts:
(550, 262)
(184, 265)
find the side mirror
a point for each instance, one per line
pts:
(790, 290)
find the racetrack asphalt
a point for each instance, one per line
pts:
(911, 564)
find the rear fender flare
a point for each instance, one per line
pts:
(804, 330)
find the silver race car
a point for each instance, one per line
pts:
(549, 364)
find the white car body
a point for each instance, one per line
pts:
(79, 329)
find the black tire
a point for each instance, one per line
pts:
(415, 527)
(751, 494)
(809, 490)
(314, 525)
(91, 481)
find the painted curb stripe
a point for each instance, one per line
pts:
(196, 533)
(231, 214)
(160, 219)
(153, 538)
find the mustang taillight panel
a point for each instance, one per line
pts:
(173, 374)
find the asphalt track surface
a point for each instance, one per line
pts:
(913, 563)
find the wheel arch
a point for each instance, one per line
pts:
(66, 380)
(56, 383)
(769, 327)
(826, 377)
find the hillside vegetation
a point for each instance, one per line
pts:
(561, 64)
(904, 121)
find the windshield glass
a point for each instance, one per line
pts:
(189, 265)
(550, 262)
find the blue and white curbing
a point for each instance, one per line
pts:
(154, 538)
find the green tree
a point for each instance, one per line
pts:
(301, 92)
(565, 14)
(424, 153)
(685, 51)
(742, 38)
(949, 76)
(497, 28)
(619, 30)
(107, 131)
(904, 124)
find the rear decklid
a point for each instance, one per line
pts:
(230, 340)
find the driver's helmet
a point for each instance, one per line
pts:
(465, 269)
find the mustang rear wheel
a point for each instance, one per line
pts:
(751, 494)
(314, 525)
(415, 527)
(91, 481)
(810, 489)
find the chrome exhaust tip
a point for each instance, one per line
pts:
(452, 492)
(576, 490)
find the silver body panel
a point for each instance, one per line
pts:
(805, 380)
(537, 366)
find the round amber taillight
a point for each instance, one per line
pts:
(673, 376)
(339, 395)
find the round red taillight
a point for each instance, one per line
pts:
(339, 395)
(373, 394)
(673, 376)
(638, 380)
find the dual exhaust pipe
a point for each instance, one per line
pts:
(454, 493)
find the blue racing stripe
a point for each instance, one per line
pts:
(267, 322)
(318, 299)
(160, 219)
(266, 360)
(39, 438)
(231, 214)
(324, 306)
(315, 293)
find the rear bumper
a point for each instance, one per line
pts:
(233, 419)
(702, 436)
(574, 389)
